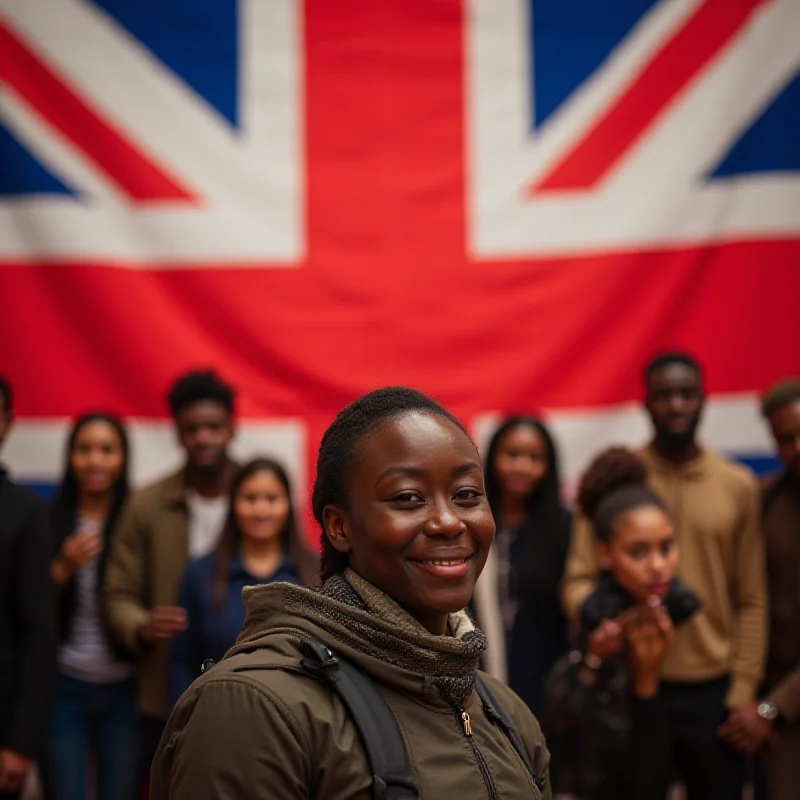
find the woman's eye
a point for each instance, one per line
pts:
(467, 494)
(406, 497)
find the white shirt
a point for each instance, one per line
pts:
(85, 654)
(206, 518)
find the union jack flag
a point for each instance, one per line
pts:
(509, 204)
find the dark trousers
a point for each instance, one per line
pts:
(709, 769)
(150, 730)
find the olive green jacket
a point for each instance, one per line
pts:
(257, 725)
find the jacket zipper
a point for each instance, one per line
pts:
(465, 725)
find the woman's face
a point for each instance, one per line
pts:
(97, 457)
(261, 506)
(418, 524)
(520, 461)
(642, 554)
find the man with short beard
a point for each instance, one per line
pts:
(163, 526)
(715, 663)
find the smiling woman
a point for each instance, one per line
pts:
(406, 529)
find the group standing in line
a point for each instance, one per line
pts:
(672, 591)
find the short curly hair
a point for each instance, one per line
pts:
(780, 395)
(613, 484)
(196, 386)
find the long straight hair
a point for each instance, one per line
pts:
(231, 538)
(65, 503)
(544, 547)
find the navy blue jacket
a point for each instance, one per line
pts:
(208, 634)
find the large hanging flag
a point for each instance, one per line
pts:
(508, 204)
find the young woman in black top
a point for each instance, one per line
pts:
(517, 597)
(607, 725)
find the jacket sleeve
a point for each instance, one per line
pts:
(125, 606)
(581, 570)
(749, 591)
(786, 696)
(184, 650)
(230, 740)
(34, 610)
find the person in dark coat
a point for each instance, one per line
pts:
(517, 597)
(27, 624)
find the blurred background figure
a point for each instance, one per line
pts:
(517, 596)
(606, 717)
(260, 543)
(716, 661)
(27, 623)
(95, 706)
(164, 525)
(771, 725)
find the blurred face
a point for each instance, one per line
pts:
(418, 524)
(205, 429)
(261, 506)
(97, 457)
(675, 403)
(642, 554)
(786, 429)
(520, 461)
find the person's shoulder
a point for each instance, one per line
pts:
(19, 501)
(202, 568)
(158, 492)
(732, 472)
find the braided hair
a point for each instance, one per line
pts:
(613, 484)
(339, 443)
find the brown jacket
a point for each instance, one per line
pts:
(782, 535)
(256, 725)
(144, 570)
(714, 504)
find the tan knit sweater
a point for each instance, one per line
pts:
(715, 505)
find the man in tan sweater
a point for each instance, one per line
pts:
(715, 664)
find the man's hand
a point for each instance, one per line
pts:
(13, 770)
(163, 624)
(746, 730)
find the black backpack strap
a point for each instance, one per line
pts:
(494, 710)
(392, 774)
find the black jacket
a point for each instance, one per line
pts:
(27, 620)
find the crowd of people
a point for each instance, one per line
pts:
(650, 630)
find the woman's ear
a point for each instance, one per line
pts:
(604, 556)
(336, 528)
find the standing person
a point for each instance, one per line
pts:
(406, 530)
(772, 724)
(517, 597)
(163, 526)
(607, 718)
(260, 544)
(27, 624)
(95, 706)
(715, 663)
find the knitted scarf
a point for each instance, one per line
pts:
(359, 615)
